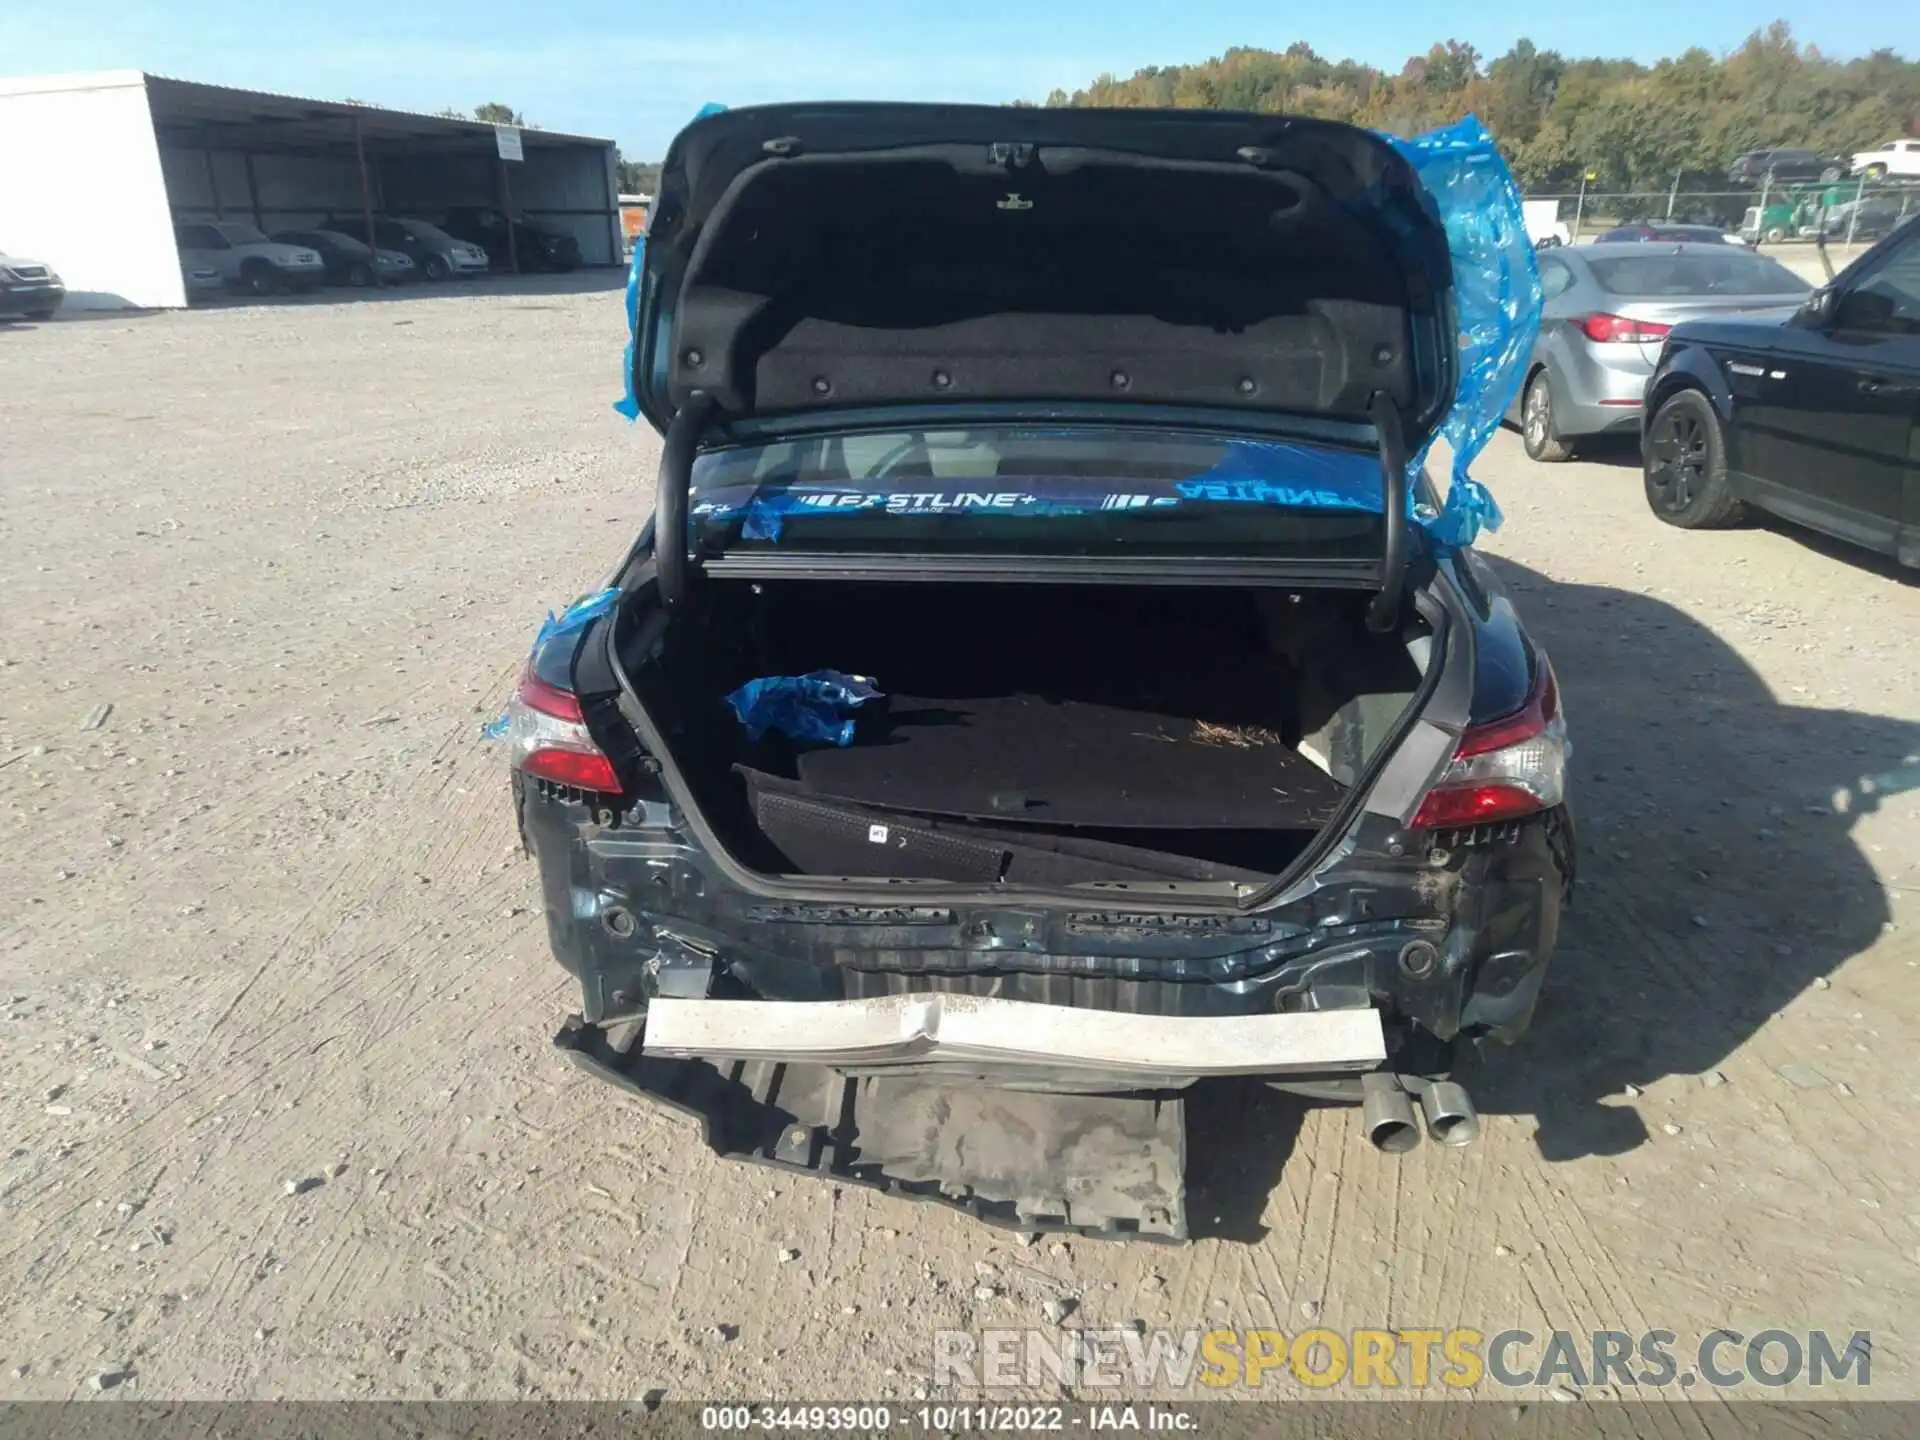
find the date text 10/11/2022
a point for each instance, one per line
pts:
(950, 1419)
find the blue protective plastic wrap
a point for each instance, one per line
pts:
(803, 707)
(1496, 297)
(629, 403)
(575, 616)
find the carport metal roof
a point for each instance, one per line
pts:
(192, 115)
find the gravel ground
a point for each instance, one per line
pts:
(281, 1114)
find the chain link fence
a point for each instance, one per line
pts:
(1847, 212)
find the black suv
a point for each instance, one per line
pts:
(1033, 693)
(1813, 418)
(1784, 164)
(538, 247)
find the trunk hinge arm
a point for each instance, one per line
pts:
(1383, 615)
(671, 563)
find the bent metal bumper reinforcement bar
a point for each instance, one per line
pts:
(989, 1031)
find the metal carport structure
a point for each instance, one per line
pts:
(96, 169)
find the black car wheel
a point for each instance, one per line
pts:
(437, 268)
(257, 277)
(1685, 463)
(1830, 174)
(359, 274)
(1538, 432)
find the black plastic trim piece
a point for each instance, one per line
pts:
(1383, 616)
(1355, 574)
(670, 501)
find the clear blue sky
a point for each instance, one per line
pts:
(636, 72)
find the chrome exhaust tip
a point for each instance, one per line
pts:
(1451, 1118)
(1386, 1114)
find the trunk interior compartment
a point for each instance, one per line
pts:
(1033, 735)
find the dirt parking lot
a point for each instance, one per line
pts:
(281, 1114)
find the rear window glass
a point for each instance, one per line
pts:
(1040, 490)
(1735, 272)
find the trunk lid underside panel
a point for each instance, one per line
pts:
(810, 258)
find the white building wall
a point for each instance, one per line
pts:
(81, 188)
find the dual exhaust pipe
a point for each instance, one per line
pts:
(1387, 1112)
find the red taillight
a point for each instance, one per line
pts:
(547, 734)
(1610, 329)
(1505, 768)
(536, 694)
(571, 767)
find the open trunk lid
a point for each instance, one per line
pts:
(826, 269)
(846, 257)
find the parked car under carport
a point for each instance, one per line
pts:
(436, 254)
(246, 258)
(349, 261)
(29, 289)
(534, 245)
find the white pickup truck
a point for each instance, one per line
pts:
(1544, 226)
(1895, 158)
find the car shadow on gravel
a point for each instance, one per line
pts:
(1616, 451)
(1240, 1135)
(1841, 552)
(1719, 872)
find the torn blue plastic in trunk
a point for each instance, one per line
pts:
(803, 707)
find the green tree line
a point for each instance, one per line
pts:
(1635, 126)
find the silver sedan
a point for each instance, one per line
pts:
(1608, 311)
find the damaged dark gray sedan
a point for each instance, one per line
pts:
(1037, 690)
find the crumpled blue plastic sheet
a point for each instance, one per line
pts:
(803, 707)
(629, 403)
(1497, 299)
(576, 616)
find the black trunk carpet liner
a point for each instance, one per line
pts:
(1016, 759)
